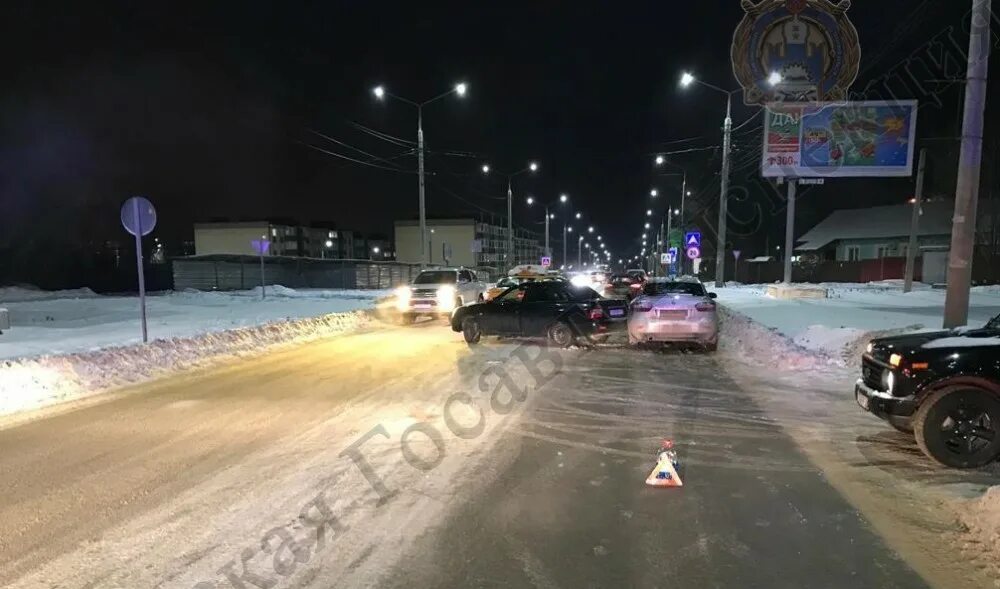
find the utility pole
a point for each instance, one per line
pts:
(666, 239)
(579, 252)
(420, 173)
(684, 183)
(911, 248)
(548, 252)
(512, 260)
(790, 230)
(565, 228)
(963, 228)
(720, 254)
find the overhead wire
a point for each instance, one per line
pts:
(356, 161)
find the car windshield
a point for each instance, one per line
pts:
(436, 277)
(994, 323)
(661, 288)
(508, 282)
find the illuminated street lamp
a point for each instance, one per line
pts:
(380, 94)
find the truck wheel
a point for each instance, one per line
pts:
(959, 427)
(471, 330)
(561, 335)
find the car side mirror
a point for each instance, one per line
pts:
(712, 295)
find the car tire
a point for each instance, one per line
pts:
(471, 330)
(711, 347)
(561, 334)
(901, 424)
(959, 427)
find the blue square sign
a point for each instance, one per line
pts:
(692, 239)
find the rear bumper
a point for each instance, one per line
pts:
(690, 331)
(882, 404)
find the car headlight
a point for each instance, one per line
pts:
(870, 347)
(402, 297)
(890, 381)
(446, 297)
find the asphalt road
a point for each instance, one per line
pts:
(163, 484)
(572, 510)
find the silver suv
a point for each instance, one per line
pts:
(439, 291)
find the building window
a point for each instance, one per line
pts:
(853, 253)
(883, 251)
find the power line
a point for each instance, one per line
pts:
(357, 161)
(359, 150)
(383, 136)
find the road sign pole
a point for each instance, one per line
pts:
(963, 227)
(911, 248)
(137, 216)
(790, 230)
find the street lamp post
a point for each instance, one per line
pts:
(532, 167)
(380, 93)
(727, 127)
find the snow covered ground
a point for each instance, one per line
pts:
(65, 322)
(834, 325)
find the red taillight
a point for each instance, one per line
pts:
(596, 313)
(636, 286)
(705, 307)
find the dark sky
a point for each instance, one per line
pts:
(204, 110)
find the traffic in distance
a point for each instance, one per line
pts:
(577, 308)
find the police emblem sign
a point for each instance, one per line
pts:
(810, 43)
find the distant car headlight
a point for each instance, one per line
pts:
(580, 280)
(403, 298)
(870, 347)
(446, 297)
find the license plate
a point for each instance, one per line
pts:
(617, 312)
(423, 307)
(671, 314)
(862, 400)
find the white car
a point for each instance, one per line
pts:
(439, 291)
(672, 311)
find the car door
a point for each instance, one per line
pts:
(542, 306)
(466, 287)
(500, 316)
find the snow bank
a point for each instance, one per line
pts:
(982, 519)
(18, 294)
(46, 324)
(42, 381)
(752, 341)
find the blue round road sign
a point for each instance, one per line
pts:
(138, 216)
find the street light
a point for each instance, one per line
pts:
(578, 215)
(659, 160)
(649, 212)
(590, 229)
(532, 167)
(531, 200)
(563, 198)
(549, 216)
(380, 94)
(720, 258)
(653, 193)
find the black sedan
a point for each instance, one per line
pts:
(943, 386)
(557, 310)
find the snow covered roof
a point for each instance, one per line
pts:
(876, 222)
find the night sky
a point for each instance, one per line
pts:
(206, 110)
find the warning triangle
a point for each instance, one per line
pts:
(664, 475)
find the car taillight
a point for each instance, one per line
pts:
(705, 307)
(642, 307)
(636, 286)
(596, 313)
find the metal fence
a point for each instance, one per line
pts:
(226, 272)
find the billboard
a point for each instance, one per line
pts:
(839, 139)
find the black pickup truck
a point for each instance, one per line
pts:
(942, 386)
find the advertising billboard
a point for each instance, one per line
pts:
(839, 139)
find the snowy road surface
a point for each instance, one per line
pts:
(404, 458)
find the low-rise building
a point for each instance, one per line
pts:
(853, 235)
(470, 242)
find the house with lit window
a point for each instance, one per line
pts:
(854, 235)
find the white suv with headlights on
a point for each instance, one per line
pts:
(437, 292)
